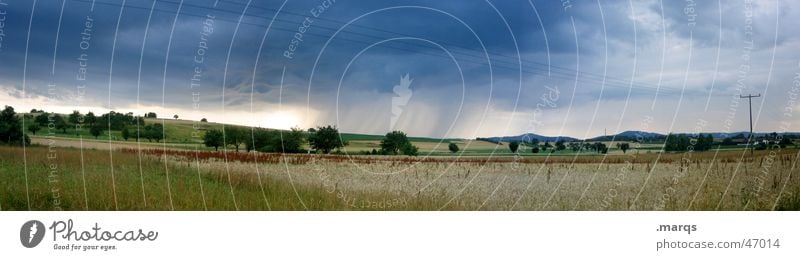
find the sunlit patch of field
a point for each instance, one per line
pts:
(185, 180)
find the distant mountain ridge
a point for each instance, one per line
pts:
(628, 135)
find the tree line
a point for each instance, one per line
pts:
(536, 147)
(323, 139)
(131, 127)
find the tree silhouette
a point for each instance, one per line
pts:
(624, 147)
(96, 131)
(513, 145)
(33, 128)
(325, 139)
(453, 147)
(393, 141)
(213, 138)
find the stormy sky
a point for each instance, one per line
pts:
(475, 68)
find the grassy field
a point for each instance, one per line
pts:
(179, 135)
(127, 179)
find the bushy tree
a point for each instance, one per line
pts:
(513, 146)
(785, 141)
(600, 147)
(33, 128)
(11, 128)
(576, 147)
(409, 149)
(292, 141)
(560, 145)
(96, 130)
(146, 131)
(728, 141)
(42, 119)
(264, 140)
(126, 134)
(624, 147)
(325, 139)
(535, 149)
(235, 136)
(213, 138)
(90, 119)
(704, 142)
(204, 120)
(74, 118)
(60, 123)
(156, 132)
(453, 147)
(393, 141)
(682, 142)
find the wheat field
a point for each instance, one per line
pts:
(129, 179)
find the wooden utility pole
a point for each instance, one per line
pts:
(750, 102)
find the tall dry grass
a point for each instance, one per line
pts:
(729, 180)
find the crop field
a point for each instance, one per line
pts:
(151, 178)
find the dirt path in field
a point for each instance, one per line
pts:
(89, 143)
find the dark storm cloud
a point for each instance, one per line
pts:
(604, 45)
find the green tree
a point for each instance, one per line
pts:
(126, 134)
(11, 128)
(600, 147)
(90, 119)
(33, 128)
(146, 133)
(576, 147)
(546, 146)
(292, 141)
(728, 141)
(204, 120)
(325, 139)
(560, 145)
(393, 141)
(213, 138)
(60, 123)
(42, 119)
(409, 149)
(235, 136)
(263, 140)
(96, 130)
(156, 132)
(535, 149)
(74, 118)
(785, 141)
(513, 146)
(708, 142)
(175, 116)
(453, 147)
(624, 147)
